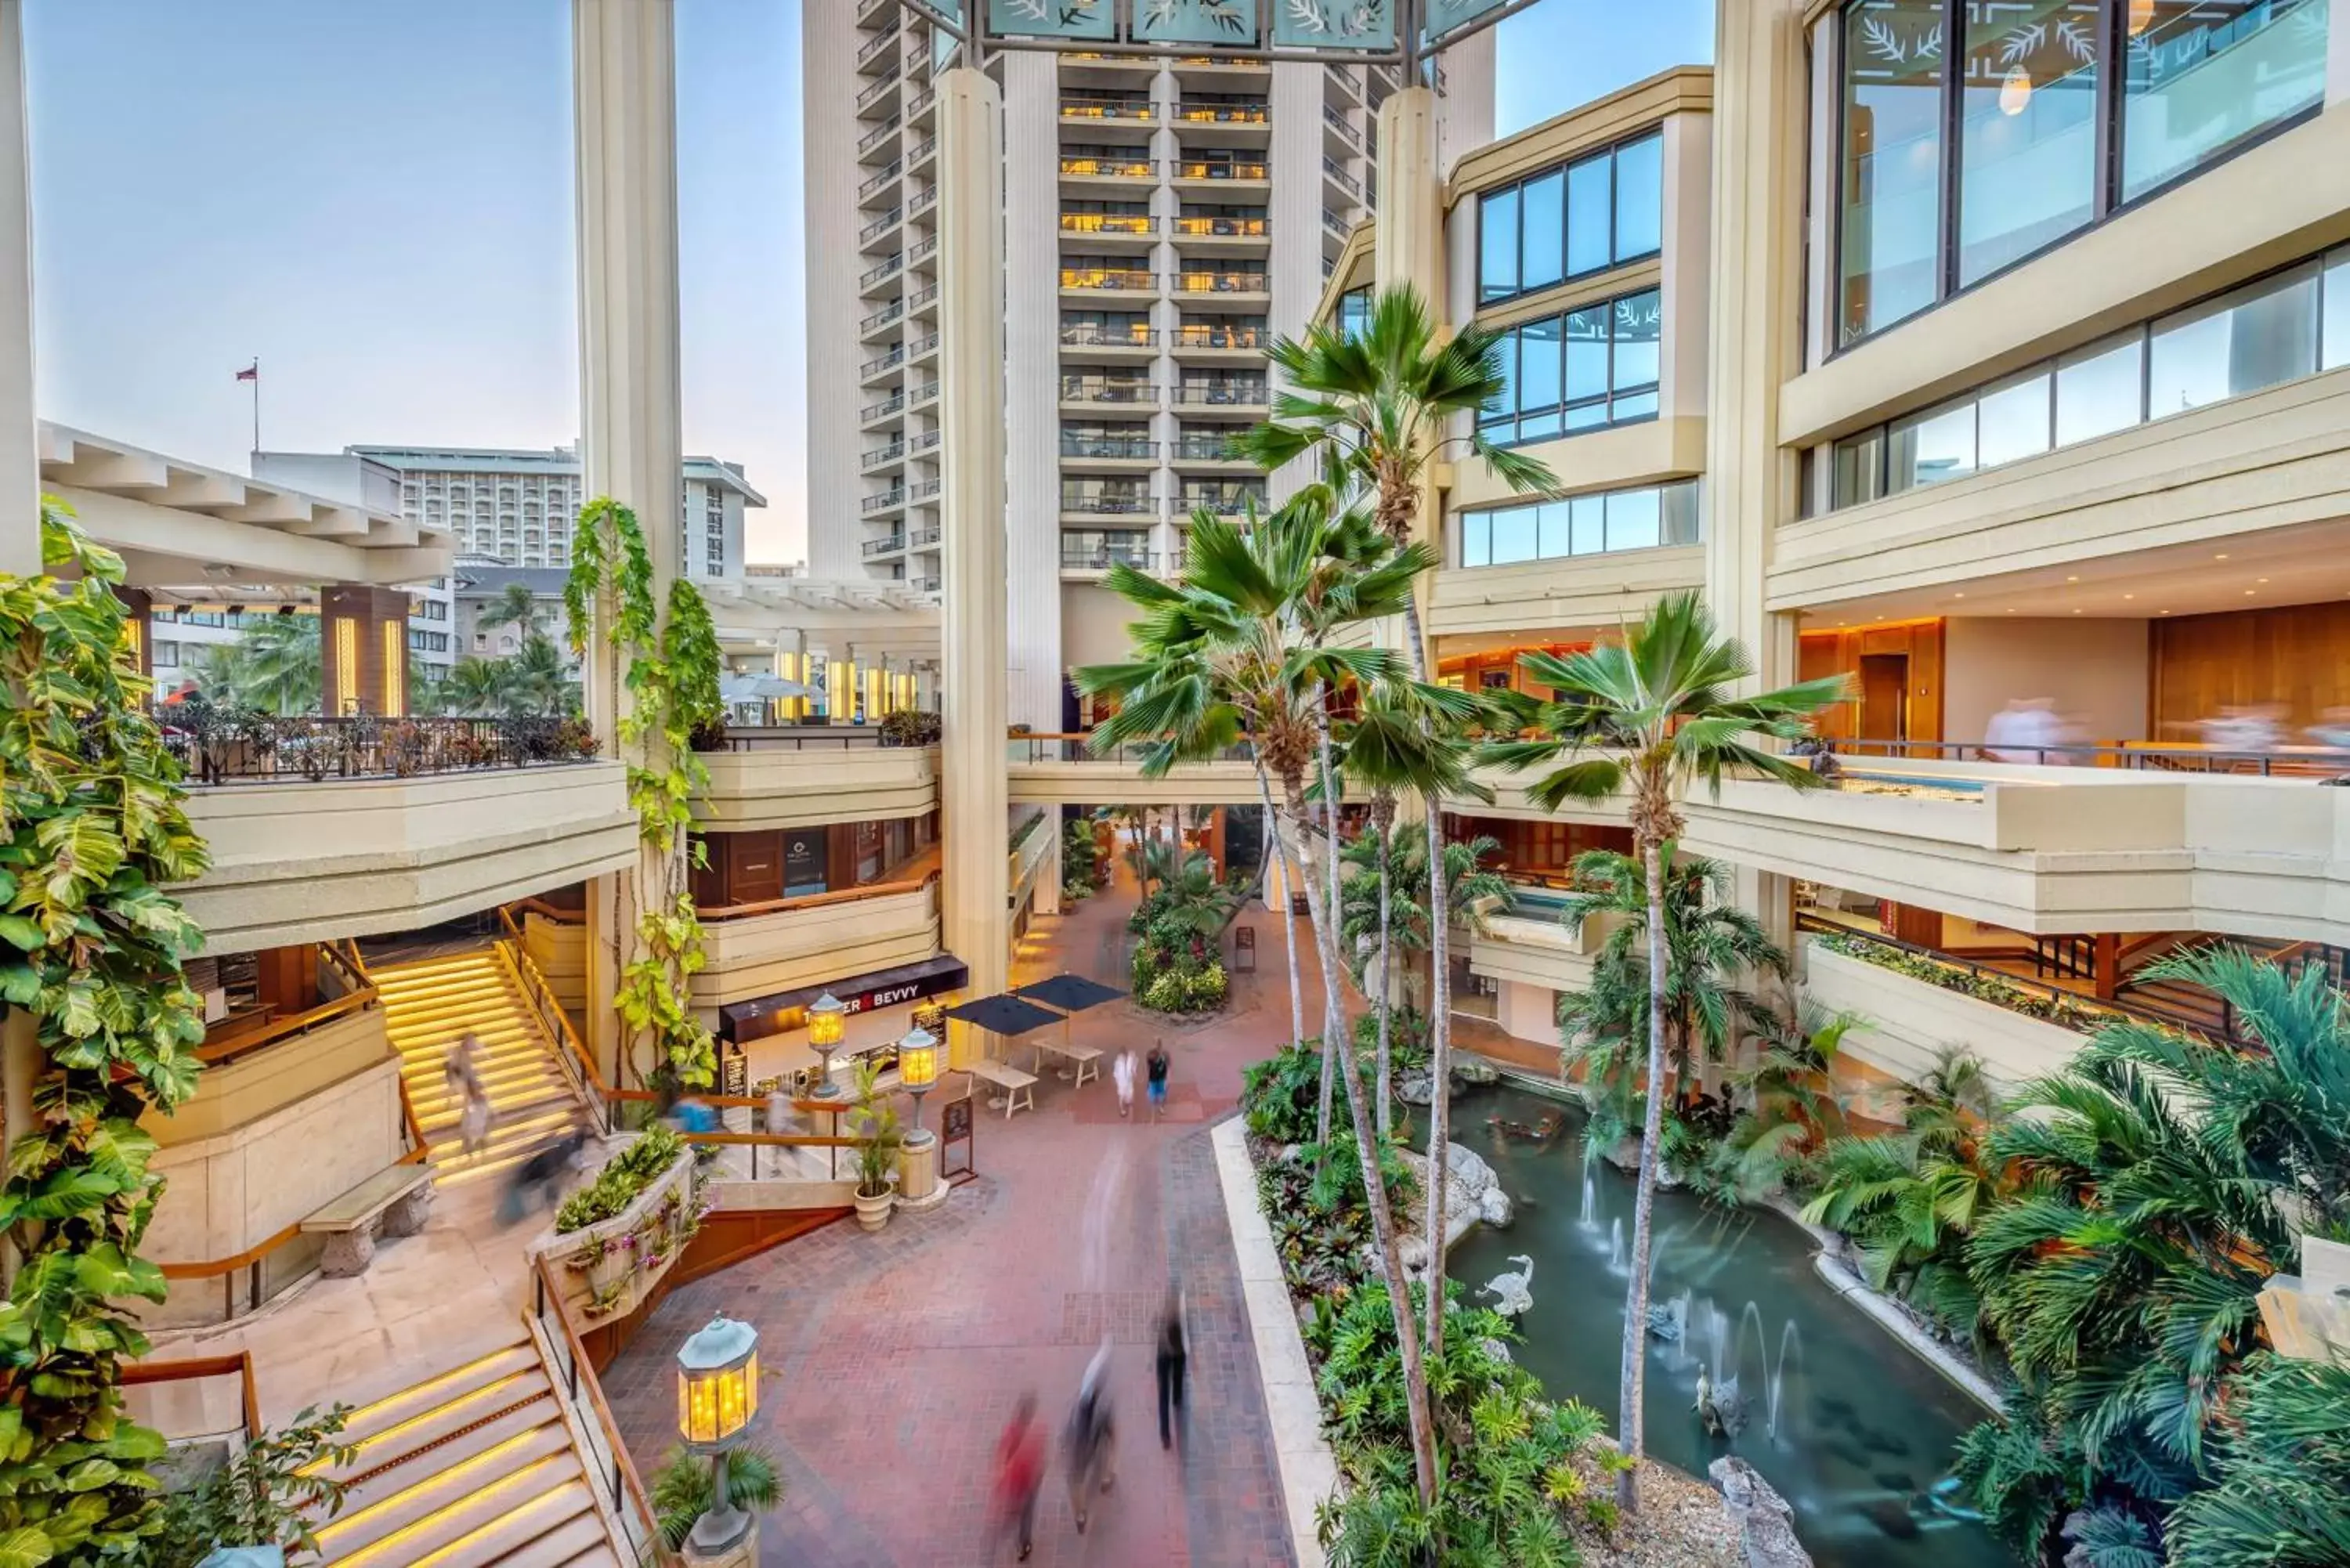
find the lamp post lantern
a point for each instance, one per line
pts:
(917, 1069)
(717, 1394)
(824, 1020)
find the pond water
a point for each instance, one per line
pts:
(1851, 1427)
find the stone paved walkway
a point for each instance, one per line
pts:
(892, 1361)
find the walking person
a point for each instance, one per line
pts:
(539, 1180)
(1173, 1359)
(1091, 1437)
(463, 1074)
(1121, 1072)
(1158, 1065)
(1019, 1476)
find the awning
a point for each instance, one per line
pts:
(1007, 1015)
(1069, 993)
(764, 1015)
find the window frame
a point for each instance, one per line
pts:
(2104, 197)
(1508, 342)
(1654, 130)
(1461, 521)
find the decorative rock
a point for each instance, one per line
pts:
(1493, 1208)
(1474, 1070)
(348, 1252)
(1468, 1168)
(1497, 1350)
(408, 1217)
(1765, 1522)
(1416, 1087)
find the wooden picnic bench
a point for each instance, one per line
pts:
(1019, 1088)
(1086, 1058)
(396, 1201)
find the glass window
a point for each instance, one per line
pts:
(1890, 228)
(2012, 420)
(1514, 534)
(1640, 198)
(1538, 364)
(2202, 76)
(1497, 246)
(1476, 540)
(2238, 343)
(1634, 520)
(1929, 448)
(1587, 354)
(1858, 473)
(2028, 130)
(1553, 537)
(2100, 388)
(2334, 333)
(1542, 221)
(1590, 218)
(1638, 327)
(1680, 524)
(1499, 412)
(1588, 524)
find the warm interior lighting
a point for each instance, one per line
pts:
(395, 668)
(918, 1058)
(2016, 92)
(826, 1017)
(717, 1382)
(2141, 14)
(346, 664)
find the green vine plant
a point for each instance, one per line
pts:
(92, 832)
(670, 673)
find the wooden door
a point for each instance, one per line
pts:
(1885, 697)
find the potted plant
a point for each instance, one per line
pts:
(873, 1123)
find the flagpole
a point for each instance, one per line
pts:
(257, 402)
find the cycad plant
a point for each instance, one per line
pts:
(1646, 718)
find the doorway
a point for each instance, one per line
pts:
(1884, 697)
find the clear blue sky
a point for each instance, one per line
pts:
(374, 196)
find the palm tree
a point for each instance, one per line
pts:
(1191, 896)
(1371, 411)
(1240, 646)
(478, 687)
(542, 685)
(2284, 1469)
(515, 605)
(1649, 715)
(273, 667)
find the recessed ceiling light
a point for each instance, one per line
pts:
(2129, 596)
(2260, 579)
(2076, 612)
(2010, 612)
(2250, 592)
(2072, 579)
(2162, 612)
(1957, 595)
(2220, 556)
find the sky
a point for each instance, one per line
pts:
(374, 199)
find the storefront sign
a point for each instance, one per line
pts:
(787, 1010)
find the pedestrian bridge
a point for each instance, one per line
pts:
(1064, 770)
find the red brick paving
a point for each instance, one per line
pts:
(893, 1360)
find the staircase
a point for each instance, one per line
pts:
(475, 1466)
(427, 1006)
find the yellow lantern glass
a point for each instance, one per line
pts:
(826, 1018)
(716, 1403)
(918, 1059)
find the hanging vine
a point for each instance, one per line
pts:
(91, 831)
(670, 673)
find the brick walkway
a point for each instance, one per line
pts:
(893, 1360)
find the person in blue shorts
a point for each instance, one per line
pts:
(1155, 1065)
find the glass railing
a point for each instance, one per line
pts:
(1121, 447)
(887, 406)
(1113, 168)
(1093, 335)
(1105, 224)
(878, 273)
(897, 167)
(888, 547)
(1110, 503)
(883, 318)
(1099, 552)
(1207, 449)
(1216, 168)
(1228, 228)
(1195, 113)
(1197, 336)
(1239, 394)
(1129, 279)
(1076, 389)
(1221, 283)
(880, 455)
(875, 367)
(883, 501)
(1223, 502)
(1088, 106)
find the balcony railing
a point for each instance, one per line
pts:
(1117, 503)
(921, 536)
(874, 366)
(1079, 558)
(872, 95)
(1199, 335)
(1226, 228)
(1218, 394)
(927, 295)
(888, 547)
(921, 346)
(1125, 278)
(889, 405)
(875, 46)
(1122, 447)
(215, 745)
(1110, 168)
(1338, 122)
(877, 135)
(926, 441)
(1254, 113)
(921, 201)
(921, 251)
(1223, 505)
(922, 149)
(923, 393)
(1221, 283)
(930, 585)
(1216, 168)
(896, 166)
(1071, 746)
(922, 490)
(1093, 106)
(922, 100)
(1207, 449)
(883, 501)
(1335, 224)
(881, 225)
(2300, 763)
(1094, 335)
(1105, 224)
(883, 318)
(1079, 389)
(880, 455)
(1338, 176)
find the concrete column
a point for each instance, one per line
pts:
(1408, 247)
(624, 127)
(976, 884)
(20, 468)
(362, 650)
(1029, 299)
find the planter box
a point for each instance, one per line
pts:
(677, 1184)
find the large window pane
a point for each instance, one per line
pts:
(1476, 538)
(1542, 221)
(2028, 137)
(1514, 534)
(1538, 364)
(1639, 329)
(1890, 229)
(1931, 447)
(1680, 520)
(1634, 520)
(1590, 221)
(2238, 343)
(2100, 388)
(1589, 515)
(2012, 420)
(1497, 246)
(2334, 333)
(1586, 353)
(1640, 198)
(2200, 76)
(1551, 531)
(1858, 473)
(1504, 404)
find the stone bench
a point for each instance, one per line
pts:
(1019, 1088)
(396, 1201)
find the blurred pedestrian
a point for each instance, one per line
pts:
(1172, 1359)
(1158, 1065)
(1121, 1072)
(1019, 1476)
(2022, 731)
(539, 1180)
(2250, 728)
(462, 1073)
(1091, 1438)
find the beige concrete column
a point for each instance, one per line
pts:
(1760, 104)
(973, 805)
(1408, 247)
(20, 469)
(624, 129)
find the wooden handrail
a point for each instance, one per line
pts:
(818, 900)
(560, 917)
(417, 1148)
(239, 1366)
(525, 970)
(551, 1291)
(219, 1266)
(279, 1028)
(781, 1140)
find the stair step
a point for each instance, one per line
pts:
(577, 1541)
(451, 1501)
(519, 1529)
(410, 1456)
(406, 1403)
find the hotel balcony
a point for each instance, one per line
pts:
(1108, 453)
(922, 153)
(1128, 504)
(1204, 122)
(875, 189)
(925, 443)
(918, 108)
(883, 548)
(923, 539)
(922, 396)
(1219, 288)
(889, 411)
(327, 828)
(1224, 339)
(929, 585)
(791, 779)
(880, 87)
(1223, 501)
(881, 366)
(1094, 553)
(923, 301)
(1110, 231)
(1207, 448)
(1092, 342)
(870, 55)
(1090, 172)
(878, 145)
(883, 459)
(1235, 398)
(1221, 234)
(1339, 134)
(1065, 770)
(875, 281)
(882, 323)
(1228, 173)
(879, 228)
(1091, 110)
(887, 504)
(920, 350)
(1079, 393)
(758, 950)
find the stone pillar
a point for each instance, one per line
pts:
(624, 126)
(362, 650)
(20, 468)
(1408, 248)
(973, 797)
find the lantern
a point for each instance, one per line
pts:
(824, 1020)
(717, 1394)
(917, 1069)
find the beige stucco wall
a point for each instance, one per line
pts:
(236, 1094)
(1535, 952)
(762, 954)
(2095, 669)
(1904, 1023)
(303, 862)
(1093, 625)
(1095, 783)
(1574, 592)
(808, 788)
(559, 947)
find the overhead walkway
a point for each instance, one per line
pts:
(1062, 770)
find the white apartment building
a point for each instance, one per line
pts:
(518, 506)
(184, 622)
(1166, 219)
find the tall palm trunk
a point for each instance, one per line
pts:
(1273, 846)
(1439, 1031)
(1385, 811)
(1652, 1122)
(1333, 1013)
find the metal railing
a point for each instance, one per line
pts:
(930, 585)
(894, 168)
(924, 443)
(215, 746)
(1221, 505)
(1110, 168)
(1234, 394)
(873, 275)
(888, 546)
(793, 738)
(1103, 558)
(1114, 506)
(882, 84)
(1221, 228)
(922, 296)
(1093, 335)
(1119, 447)
(1338, 122)
(921, 536)
(881, 225)
(1092, 390)
(1207, 449)
(1105, 224)
(1221, 283)
(923, 393)
(922, 149)
(601, 1452)
(883, 318)
(2292, 761)
(1077, 746)
(1127, 278)
(922, 490)
(877, 135)
(883, 501)
(1195, 335)
(887, 406)
(921, 201)
(1216, 168)
(1335, 224)
(880, 455)
(874, 366)
(875, 46)
(1251, 112)
(1102, 106)
(921, 346)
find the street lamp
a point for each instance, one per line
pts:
(717, 1394)
(917, 1069)
(824, 1020)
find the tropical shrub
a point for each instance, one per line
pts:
(274, 1492)
(92, 832)
(622, 1181)
(1408, 1049)
(682, 1488)
(1967, 983)
(1083, 868)
(1175, 969)
(873, 1123)
(2282, 1456)
(1277, 1094)
(910, 727)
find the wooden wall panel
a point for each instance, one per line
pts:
(2297, 656)
(1839, 652)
